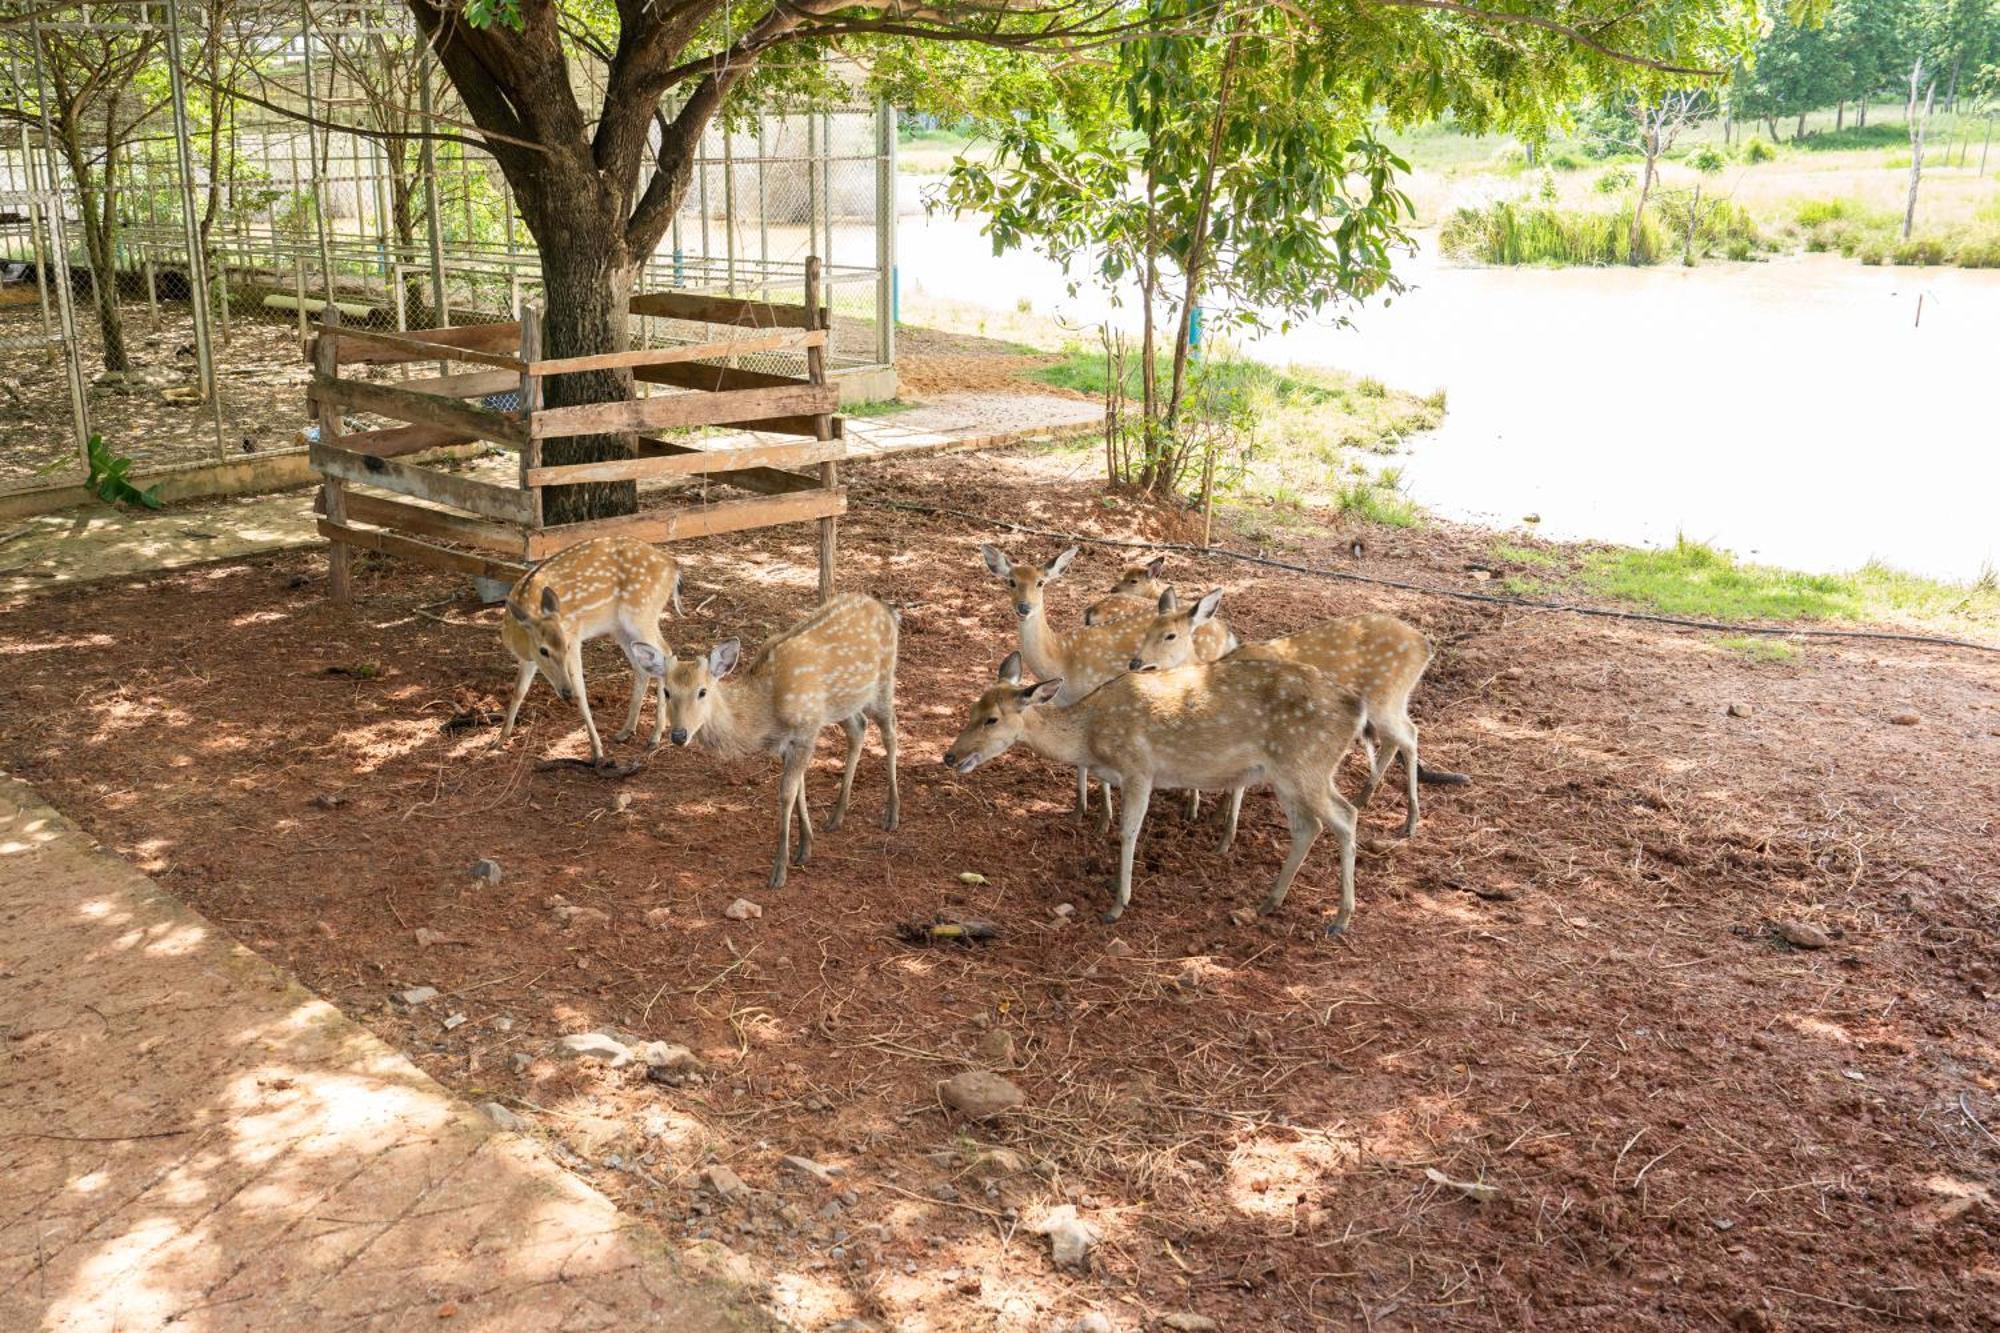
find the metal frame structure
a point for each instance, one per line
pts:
(306, 215)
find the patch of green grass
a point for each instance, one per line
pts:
(1696, 580)
(1760, 649)
(1523, 555)
(881, 407)
(1378, 501)
(1879, 135)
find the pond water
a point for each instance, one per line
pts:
(1795, 412)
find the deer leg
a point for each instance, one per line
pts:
(857, 734)
(791, 784)
(1138, 796)
(885, 722)
(659, 705)
(1082, 793)
(524, 679)
(1400, 737)
(639, 683)
(1229, 820)
(583, 702)
(805, 847)
(1410, 773)
(1302, 813)
(1110, 808)
(1193, 804)
(1338, 815)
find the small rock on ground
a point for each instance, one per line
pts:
(996, 1048)
(666, 1055)
(1118, 948)
(1802, 936)
(503, 1118)
(726, 1183)
(660, 918)
(1244, 916)
(1904, 719)
(596, 1046)
(416, 995)
(1070, 1237)
(486, 871)
(742, 910)
(808, 1167)
(1190, 1323)
(980, 1095)
(1740, 710)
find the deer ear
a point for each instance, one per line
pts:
(1061, 562)
(723, 657)
(996, 560)
(647, 659)
(1169, 603)
(1042, 691)
(1155, 565)
(679, 580)
(550, 606)
(1204, 610)
(516, 610)
(1010, 670)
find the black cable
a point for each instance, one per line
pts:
(1186, 548)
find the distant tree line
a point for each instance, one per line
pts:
(1858, 51)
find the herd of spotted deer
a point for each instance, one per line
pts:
(1147, 694)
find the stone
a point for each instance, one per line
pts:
(1065, 910)
(1740, 710)
(486, 871)
(1189, 978)
(996, 1048)
(416, 995)
(1118, 948)
(596, 1046)
(1190, 1323)
(427, 938)
(572, 916)
(1244, 916)
(1904, 719)
(742, 910)
(454, 1021)
(728, 1186)
(1094, 1322)
(1070, 1237)
(997, 1164)
(806, 1166)
(979, 1095)
(503, 1118)
(521, 1061)
(1802, 936)
(660, 918)
(666, 1055)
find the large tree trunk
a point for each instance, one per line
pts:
(1639, 213)
(100, 242)
(586, 287)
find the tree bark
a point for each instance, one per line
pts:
(100, 242)
(586, 288)
(1197, 250)
(1840, 116)
(1917, 128)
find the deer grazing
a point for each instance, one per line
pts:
(1083, 659)
(1229, 724)
(612, 585)
(1377, 656)
(836, 665)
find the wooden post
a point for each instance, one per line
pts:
(829, 472)
(531, 402)
(333, 499)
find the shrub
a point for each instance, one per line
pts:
(1921, 251)
(1565, 161)
(1707, 160)
(1980, 250)
(1756, 150)
(1613, 179)
(1510, 233)
(1815, 211)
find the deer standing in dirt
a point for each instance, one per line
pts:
(611, 585)
(1083, 659)
(836, 665)
(1377, 656)
(1224, 725)
(1137, 595)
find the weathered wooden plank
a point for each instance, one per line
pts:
(409, 548)
(502, 502)
(829, 471)
(760, 511)
(400, 440)
(664, 356)
(712, 379)
(403, 516)
(332, 498)
(684, 409)
(764, 480)
(471, 384)
(478, 343)
(420, 409)
(698, 462)
(725, 310)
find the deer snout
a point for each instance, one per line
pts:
(678, 736)
(1137, 664)
(956, 764)
(1021, 608)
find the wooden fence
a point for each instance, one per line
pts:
(374, 496)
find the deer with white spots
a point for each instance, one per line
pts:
(1083, 659)
(1377, 656)
(1137, 595)
(836, 665)
(1224, 725)
(612, 585)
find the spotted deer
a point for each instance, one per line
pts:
(1377, 656)
(1138, 593)
(1083, 659)
(611, 585)
(836, 665)
(1226, 724)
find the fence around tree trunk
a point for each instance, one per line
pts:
(376, 494)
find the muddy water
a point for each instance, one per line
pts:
(1794, 411)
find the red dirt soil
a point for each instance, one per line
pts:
(1569, 986)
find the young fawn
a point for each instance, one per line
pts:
(1229, 724)
(611, 585)
(1377, 656)
(1083, 659)
(836, 665)
(1137, 594)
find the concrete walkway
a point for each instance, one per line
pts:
(101, 542)
(192, 1140)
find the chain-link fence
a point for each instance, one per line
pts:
(328, 171)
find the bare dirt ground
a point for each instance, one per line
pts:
(1571, 986)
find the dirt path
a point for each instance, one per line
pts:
(193, 1140)
(1574, 985)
